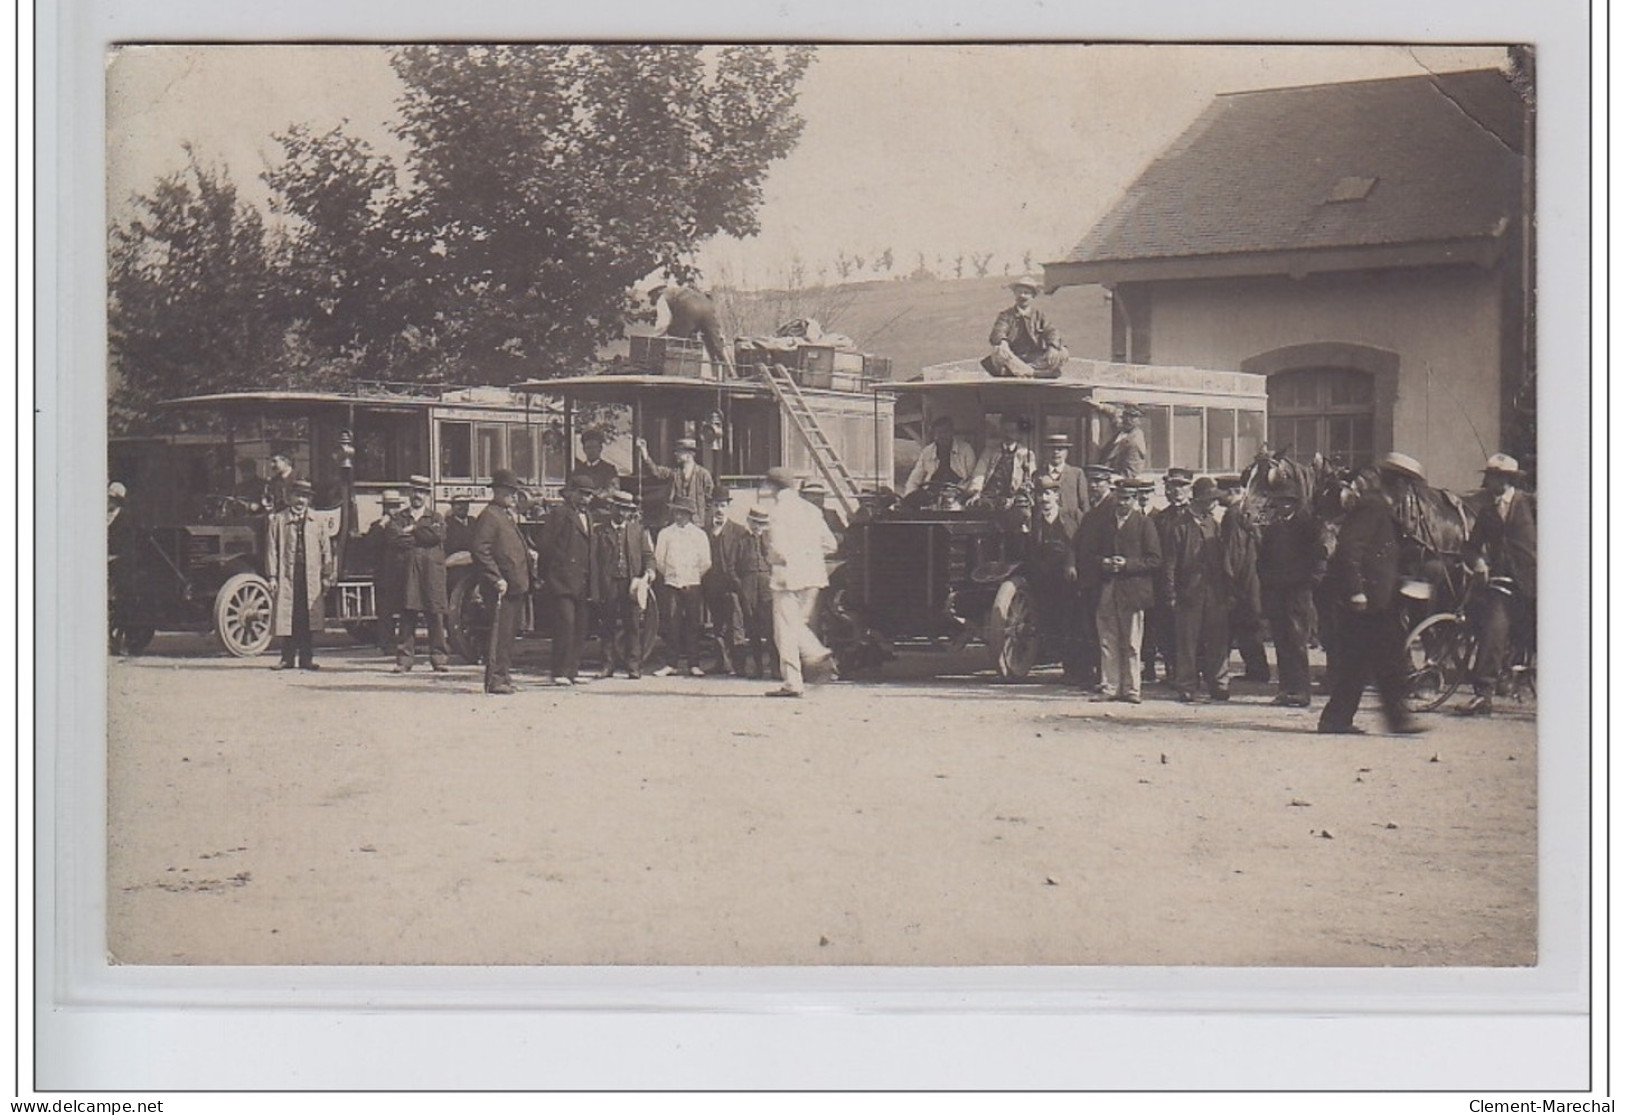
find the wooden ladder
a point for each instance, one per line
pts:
(841, 482)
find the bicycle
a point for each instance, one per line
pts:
(1442, 648)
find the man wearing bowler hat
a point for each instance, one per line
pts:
(688, 478)
(1364, 577)
(502, 561)
(300, 567)
(1025, 345)
(1194, 591)
(565, 554)
(720, 584)
(1500, 552)
(417, 534)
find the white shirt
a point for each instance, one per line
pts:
(961, 458)
(797, 540)
(682, 555)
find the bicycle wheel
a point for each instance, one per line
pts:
(1440, 654)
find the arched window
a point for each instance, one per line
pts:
(1331, 411)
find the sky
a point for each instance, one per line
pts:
(927, 150)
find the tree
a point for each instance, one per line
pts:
(884, 262)
(980, 261)
(549, 180)
(843, 265)
(194, 301)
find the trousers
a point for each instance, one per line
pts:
(1121, 629)
(499, 655)
(1371, 646)
(623, 630)
(792, 609)
(1288, 609)
(1202, 644)
(569, 635)
(406, 645)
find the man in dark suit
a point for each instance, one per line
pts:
(1500, 552)
(1054, 574)
(502, 560)
(417, 534)
(1125, 555)
(1084, 559)
(1158, 637)
(1364, 575)
(720, 584)
(1069, 479)
(1291, 562)
(623, 559)
(604, 475)
(459, 528)
(566, 564)
(1194, 587)
(1239, 535)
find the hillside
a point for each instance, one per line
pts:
(917, 323)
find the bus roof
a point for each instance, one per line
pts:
(614, 388)
(1089, 375)
(395, 396)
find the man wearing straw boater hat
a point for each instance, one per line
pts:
(418, 534)
(1025, 345)
(1365, 578)
(1500, 552)
(502, 560)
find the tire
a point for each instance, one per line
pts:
(468, 620)
(1439, 653)
(1012, 630)
(242, 615)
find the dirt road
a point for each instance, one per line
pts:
(353, 816)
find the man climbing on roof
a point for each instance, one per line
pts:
(683, 311)
(1025, 344)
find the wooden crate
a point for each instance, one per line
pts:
(847, 381)
(815, 377)
(876, 368)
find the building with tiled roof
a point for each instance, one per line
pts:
(1363, 244)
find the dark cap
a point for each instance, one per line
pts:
(505, 478)
(1180, 474)
(301, 488)
(1098, 472)
(1204, 488)
(583, 482)
(593, 435)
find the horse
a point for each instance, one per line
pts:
(1434, 525)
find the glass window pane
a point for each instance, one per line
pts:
(1221, 439)
(1249, 436)
(456, 451)
(1186, 442)
(1155, 424)
(488, 450)
(522, 452)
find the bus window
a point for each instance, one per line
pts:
(1185, 442)
(522, 453)
(456, 451)
(1154, 421)
(1221, 439)
(490, 452)
(1249, 435)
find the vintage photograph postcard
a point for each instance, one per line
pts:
(841, 505)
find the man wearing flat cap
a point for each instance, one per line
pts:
(416, 536)
(1126, 452)
(1239, 535)
(1158, 636)
(1118, 556)
(300, 567)
(565, 555)
(1054, 578)
(1025, 345)
(1089, 535)
(688, 479)
(1500, 552)
(502, 561)
(1364, 578)
(623, 575)
(1070, 483)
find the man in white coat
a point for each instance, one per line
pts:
(300, 567)
(797, 541)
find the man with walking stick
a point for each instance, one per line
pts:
(502, 560)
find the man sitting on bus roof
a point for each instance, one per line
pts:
(1025, 345)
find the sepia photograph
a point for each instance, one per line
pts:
(667, 504)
